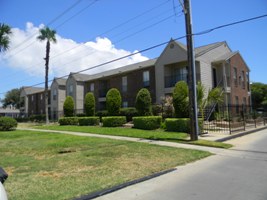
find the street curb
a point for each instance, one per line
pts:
(240, 134)
(121, 186)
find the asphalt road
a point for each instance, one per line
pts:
(236, 174)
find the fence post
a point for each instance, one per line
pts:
(229, 119)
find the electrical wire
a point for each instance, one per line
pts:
(102, 34)
(155, 46)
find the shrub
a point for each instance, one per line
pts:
(7, 124)
(89, 104)
(177, 124)
(129, 112)
(113, 102)
(147, 123)
(181, 125)
(68, 107)
(80, 115)
(113, 121)
(180, 100)
(68, 121)
(37, 118)
(156, 109)
(143, 102)
(88, 121)
(101, 113)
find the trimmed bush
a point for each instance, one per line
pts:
(88, 121)
(143, 102)
(7, 124)
(113, 121)
(181, 124)
(113, 102)
(68, 121)
(37, 118)
(89, 104)
(101, 113)
(129, 112)
(147, 123)
(68, 107)
(178, 124)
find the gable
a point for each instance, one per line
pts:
(173, 52)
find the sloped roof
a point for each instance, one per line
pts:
(124, 69)
(225, 56)
(60, 81)
(80, 77)
(206, 48)
(32, 90)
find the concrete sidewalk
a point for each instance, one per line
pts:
(131, 139)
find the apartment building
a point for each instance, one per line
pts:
(33, 99)
(58, 96)
(216, 65)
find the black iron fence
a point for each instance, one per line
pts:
(234, 118)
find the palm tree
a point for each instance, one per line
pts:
(50, 36)
(5, 31)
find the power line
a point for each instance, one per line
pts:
(156, 46)
(105, 32)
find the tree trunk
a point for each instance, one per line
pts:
(46, 81)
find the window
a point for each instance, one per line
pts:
(235, 76)
(70, 93)
(243, 79)
(41, 97)
(124, 84)
(125, 104)
(92, 87)
(32, 97)
(146, 78)
(41, 111)
(54, 94)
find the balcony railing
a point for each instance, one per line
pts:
(170, 81)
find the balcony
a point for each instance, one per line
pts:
(170, 81)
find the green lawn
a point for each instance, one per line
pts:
(137, 133)
(55, 166)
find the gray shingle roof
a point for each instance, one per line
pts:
(225, 56)
(206, 48)
(61, 81)
(32, 90)
(80, 77)
(124, 69)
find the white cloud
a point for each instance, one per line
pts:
(65, 56)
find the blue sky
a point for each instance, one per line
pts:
(98, 31)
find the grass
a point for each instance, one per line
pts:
(44, 166)
(137, 133)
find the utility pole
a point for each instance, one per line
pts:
(191, 72)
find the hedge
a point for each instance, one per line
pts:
(181, 124)
(147, 123)
(7, 124)
(37, 118)
(88, 121)
(129, 112)
(113, 121)
(68, 121)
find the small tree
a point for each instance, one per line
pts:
(180, 99)
(89, 104)
(143, 102)
(68, 107)
(113, 102)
